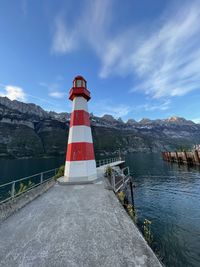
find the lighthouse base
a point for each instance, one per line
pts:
(80, 171)
(65, 181)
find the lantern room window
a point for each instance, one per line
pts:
(79, 83)
(83, 83)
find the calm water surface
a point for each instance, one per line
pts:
(169, 196)
(19, 168)
(165, 194)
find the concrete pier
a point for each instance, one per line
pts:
(74, 225)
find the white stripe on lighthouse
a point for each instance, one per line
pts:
(80, 170)
(80, 103)
(80, 134)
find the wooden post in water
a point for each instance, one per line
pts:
(196, 156)
(177, 158)
(170, 158)
(185, 157)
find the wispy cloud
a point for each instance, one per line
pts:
(13, 92)
(164, 59)
(89, 28)
(158, 106)
(168, 61)
(107, 107)
(57, 94)
(53, 89)
(64, 39)
(50, 86)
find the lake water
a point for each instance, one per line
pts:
(165, 194)
(18, 168)
(169, 196)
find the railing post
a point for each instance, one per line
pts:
(113, 181)
(128, 171)
(132, 196)
(123, 178)
(13, 190)
(41, 178)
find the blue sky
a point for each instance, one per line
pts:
(141, 58)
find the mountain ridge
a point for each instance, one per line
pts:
(26, 130)
(33, 109)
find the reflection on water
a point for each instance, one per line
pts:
(168, 195)
(165, 193)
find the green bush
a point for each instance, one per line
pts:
(108, 171)
(121, 196)
(60, 172)
(147, 231)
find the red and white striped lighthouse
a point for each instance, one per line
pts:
(80, 161)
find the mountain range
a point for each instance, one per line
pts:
(26, 130)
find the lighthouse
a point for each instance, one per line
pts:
(80, 165)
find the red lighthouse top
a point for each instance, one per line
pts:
(79, 88)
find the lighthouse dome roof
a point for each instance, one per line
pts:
(79, 77)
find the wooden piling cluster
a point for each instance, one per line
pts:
(185, 157)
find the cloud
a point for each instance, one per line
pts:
(13, 93)
(164, 62)
(64, 40)
(167, 62)
(53, 89)
(56, 94)
(107, 107)
(50, 86)
(160, 106)
(163, 59)
(89, 28)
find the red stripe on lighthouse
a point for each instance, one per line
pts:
(80, 151)
(80, 117)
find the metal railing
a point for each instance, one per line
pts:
(118, 180)
(15, 188)
(102, 162)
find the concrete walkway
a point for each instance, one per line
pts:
(77, 225)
